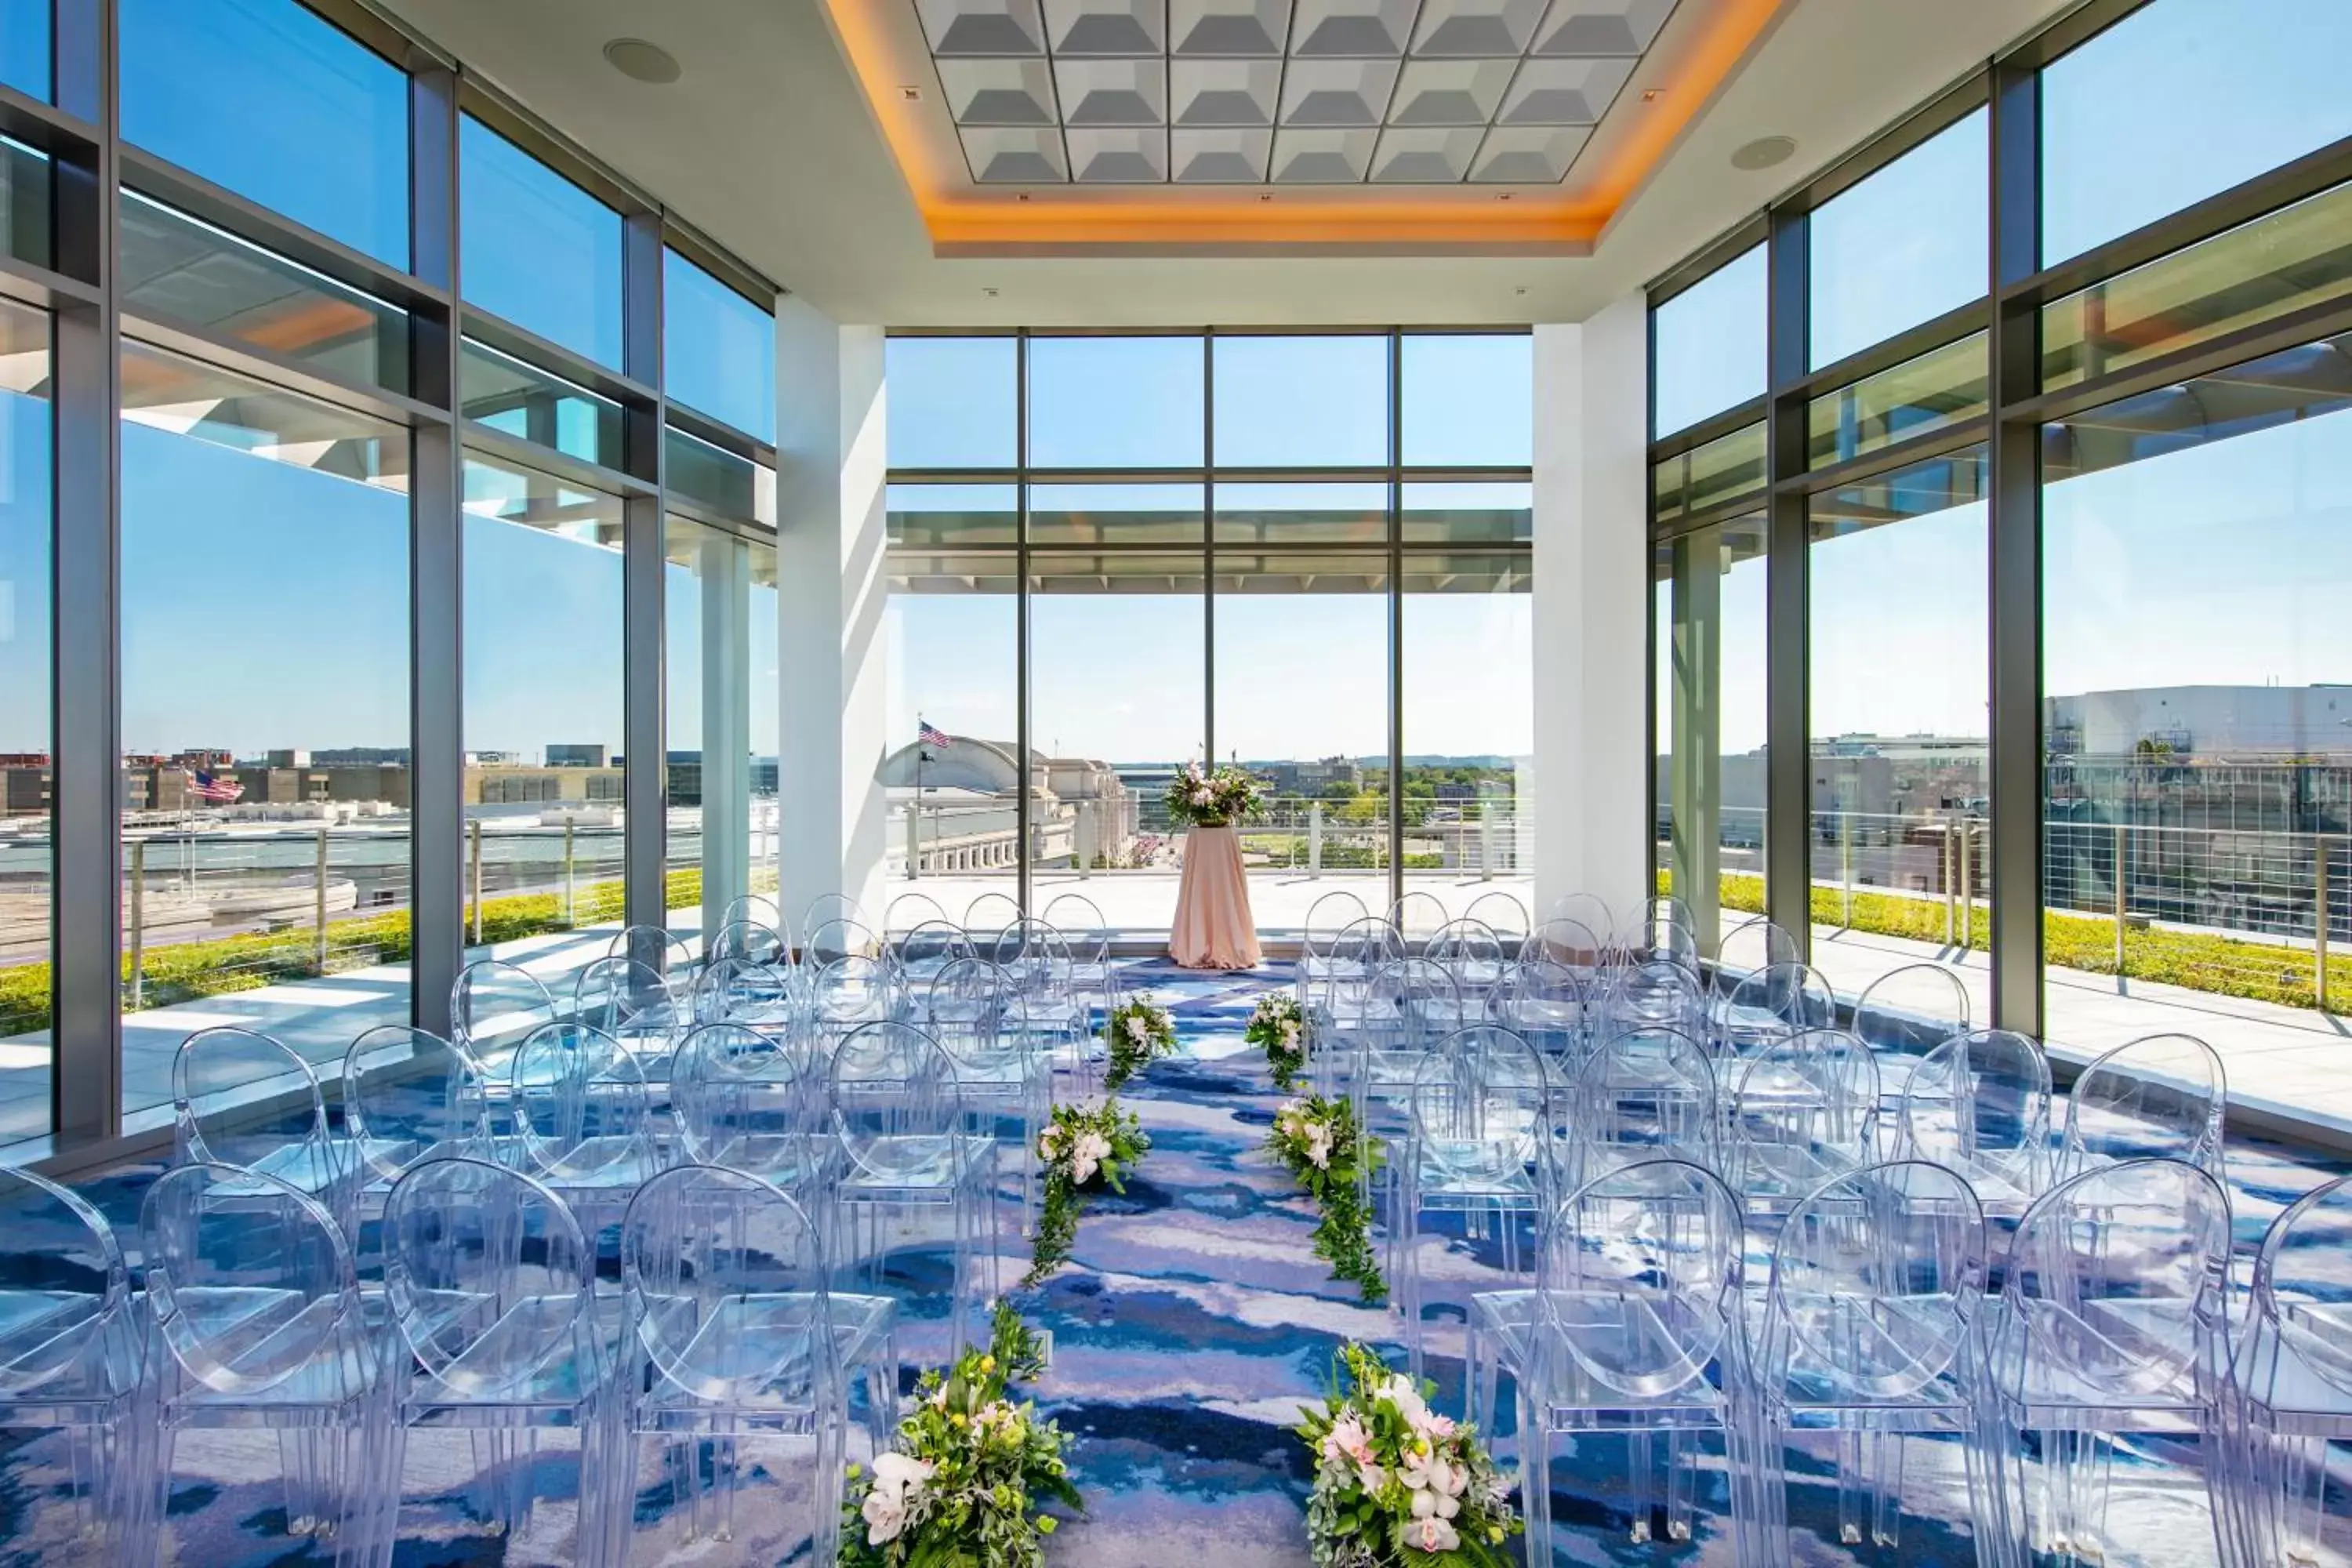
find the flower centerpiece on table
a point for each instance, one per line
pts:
(1319, 1141)
(1219, 798)
(1082, 1151)
(1396, 1484)
(1135, 1033)
(971, 1471)
(1278, 1027)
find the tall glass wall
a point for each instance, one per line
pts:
(1708, 683)
(27, 853)
(1241, 546)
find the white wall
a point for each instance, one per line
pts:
(831, 464)
(1591, 599)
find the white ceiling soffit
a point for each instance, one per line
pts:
(768, 144)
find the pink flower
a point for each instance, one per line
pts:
(1347, 1440)
(1432, 1535)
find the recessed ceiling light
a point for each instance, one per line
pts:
(1763, 153)
(642, 61)
(989, 292)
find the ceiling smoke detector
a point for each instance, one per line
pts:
(642, 61)
(1763, 153)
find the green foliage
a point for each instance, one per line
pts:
(1081, 1151)
(1135, 1034)
(1396, 1483)
(1277, 1026)
(1330, 1154)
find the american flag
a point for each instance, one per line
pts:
(931, 735)
(213, 788)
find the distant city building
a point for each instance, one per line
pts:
(290, 759)
(1313, 778)
(2208, 723)
(579, 756)
(518, 786)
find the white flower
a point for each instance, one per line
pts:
(1046, 1140)
(1290, 1031)
(886, 1516)
(1432, 1535)
(897, 1481)
(1137, 1029)
(901, 1474)
(1085, 1155)
(1318, 1146)
(1202, 795)
(1405, 1395)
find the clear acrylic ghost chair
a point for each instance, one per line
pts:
(638, 1006)
(1038, 967)
(847, 993)
(1470, 952)
(1585, 910)
(1868, 1328)
(1662, 928)
(2111, 1320)
(1634, 1326)
(758, 908)
(834, 908)
(725, 1277)
(492, 1283)
(409, 1096)
(1003, 1066)
(745, 1099)
(1481, 1107)
(247, 1100)
(583, 1119)
(1980, 1104)
(1326, 918)
(835, 939)
(917, 955)
(1657, 995)
(1412, 1003)
(747, 941)
(1342, 1007)
(1543, 1002)
(493, 1004)
(1904, 1014)
(1578, 949)
(731, 990)
(1746, 948)
(1643, 1094)
(1080, 920)
(1418, 916)
(1772, 1004)
(908, 910)
(73, 1362)
(907, 1149)
(2159, 1097)
(656, 947)
(256, 1304)
(989, 914)
(1505, 915)
(2293, 1380)
(1804, 1112)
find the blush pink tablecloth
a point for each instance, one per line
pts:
(1214, 929)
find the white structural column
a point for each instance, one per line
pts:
(830, 644)
(1591, 598)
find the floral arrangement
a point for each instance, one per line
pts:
(1080, 1149)
(1326, 1150)
(1135, 1034)
(1278, 1027)
(1396, 1484)
(964, 1485)
(1218, 797)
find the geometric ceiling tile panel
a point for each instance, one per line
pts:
(1564, 91)
(1282, 93)
(1623, 28)
(1228, 29)
(1225, 157)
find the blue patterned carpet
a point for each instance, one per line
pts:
(1188, 1328)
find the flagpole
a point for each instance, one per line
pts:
(914, 864)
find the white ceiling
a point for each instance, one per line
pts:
(767, 144)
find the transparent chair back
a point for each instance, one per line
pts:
(1574, 945)
(832, 940)
(1327, 918)
(493, 1004)
(830, 909)
(923, 952)
(244, 1098)
(1658, 937)
(1645, 1093)
(1414, 1003)
(1544, 1004)
(966, 1007)
(752, 909)
(1748, 948)
(1912, 1010)
(1640, 1278)
(1418, 916)
(848, 991)
(2158, 1096)
(1657, 995)
(1480, 1103)
(656, 947)
(1979, 1103)
(583, 1116)
(1505, 915)
(989, 914)
(734, 989)
(1470, 952)
(2294, 1366)
(743, 1099)
(896, 1108)
(1584, 910)
(908, 910)
(1080, 920)
(749, 942)
(1804, 1112)
(410, 1095)
(1034, 955)
(637, 1005)
(1773, 1004)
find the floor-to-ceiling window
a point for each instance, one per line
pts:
(1273, 549)
(27, 851)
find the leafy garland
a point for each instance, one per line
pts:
(1278, 1027)
(1136, 1033)
(964, 1485)
(1396, 1484)
(1324, 1149)
(1081, 1150)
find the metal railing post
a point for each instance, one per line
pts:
(2121, 902)
(1951, 897)
(320, 944)
(475, 874)
(137, 922)
(2319, 919)
(1314, 840)
(571, 904)
(914, 841)
(1845, 869)
(1967, 888)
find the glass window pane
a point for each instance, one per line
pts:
(2197, 716)
(1468, 401)
(28, 855)
(1903, 246)
(1468, 514)
(1710, 720)
(25, 47)
(1302, 514)
(187, 273)
(1293, 402)
(715, 478)
(951, 624)
(1723, 472)
(1114, 514)
(522, 401)
(1708, 346)
(2180, 100)
(25, 201)
(763, 824)
(951, 517)
(1318, 736)
(289, 752)
(719, 349)
(1116, 668)
(1941, 388)
(1899, 745)
(267, 99)
(538, 249)
(716, 586)
(1469, 727)
(952, 402)
(1115, 402)
(543, 786)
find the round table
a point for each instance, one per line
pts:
(1213, 928)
